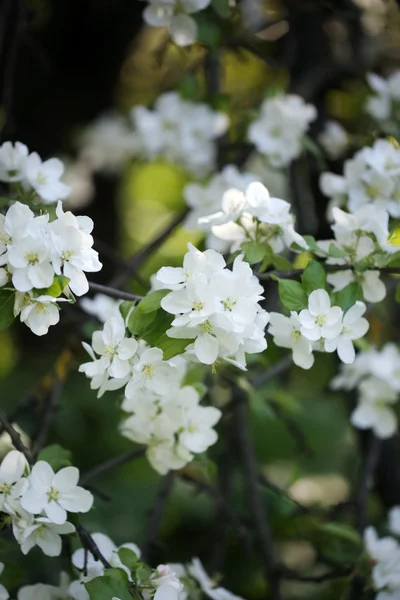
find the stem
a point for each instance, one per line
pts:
(15, 438)
(112, 292)
(255, 498)
(368, 470)
(48, 416)
(110, 464)
(328, 269)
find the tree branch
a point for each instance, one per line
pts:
(136, 261)
(112, 292)
(254, 492)
(110, 464)
(15, 438)
(89, 544)
(328, 268)
(156, 513)
(48, 416)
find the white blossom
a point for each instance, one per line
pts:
(287, 334)
(385, 554)
(394, 520)
(45, 534)
(196, 570)
(12, 480)
(100, 306)
(334, 139)
(374, 410)
(13, 159)
(179, 131)
(55, 493)
(278, 132)
(320, 320)
(354, 326)
(38, 313)
(44, 178)
(174, 14)
(382, 105)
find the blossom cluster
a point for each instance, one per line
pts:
(164, 415)
(34, 251)
(372, 176)
(384, 554)
(384, 104)
(171, 423)
(180, 132)
(319, 327)
(37, 501)
(360, 238)
(334, 139)
(375, 376)
(253, 215)
(279, 130)
(175, 15)
(215, 307)
(18, 166)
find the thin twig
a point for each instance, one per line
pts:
(255, 498)
(48, 416)
(112, 292)
(204, 486)
(89, 544)
(295, 431)
(156, 513)
(15, 438)
(276, 369)
(110, 464)
(329, 576)
(368, 470)
(327, 268)
(136, 261)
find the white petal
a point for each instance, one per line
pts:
(206, 348)
(183, 30)
(319, 302)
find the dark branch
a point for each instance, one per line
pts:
(368, 471)
(328, 269)
(112, 292)
(255, 498)
(89, 544)
(15, 438)
(156, 513)
(110, 464)
(136, 261)
(48, 416)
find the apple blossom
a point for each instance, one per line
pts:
(55, 493)
(320, 320)
(44, 178)
(374, 409)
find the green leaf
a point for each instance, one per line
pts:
(394, 260)
(4, 201)
(6, 309)
(152, 301)
(128, 558)
(114, 583)
(281, 263)
(57, 287)
(171, 347)
(222, 8)
(341, 530)
(12, 576)
(139, 322)
(348, 296)
(313, 277)
(254, 252)
(311, 242)
(125, 307)
(397, 296)
(335, 251)
(57, 456)
(292, 294)
(208, 32)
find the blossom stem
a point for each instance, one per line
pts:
(15, 438)
(108, 465)
(113, 293)
(255, 498)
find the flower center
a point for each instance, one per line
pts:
(197, 305)
(112, 350)
(206, 327)
(53, 494)
(147, 370)
(41, 178)
(372, 191)
(5, 489)
(321, 320)
(32, 258)
(67, 255)
(228, 304)
(296, 335)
